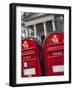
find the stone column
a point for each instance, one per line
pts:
(53, 25)
(35, 30)
(45, 31)
(26, 30)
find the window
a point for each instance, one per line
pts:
(49, 27)
(40, 31)
(30, 31)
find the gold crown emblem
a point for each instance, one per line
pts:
(55, 39)
(25, 44)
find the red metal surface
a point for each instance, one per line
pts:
(53, 49)
(31, 57)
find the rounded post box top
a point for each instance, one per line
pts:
(55, 38)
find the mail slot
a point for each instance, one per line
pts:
(31, 58)
(53, 49)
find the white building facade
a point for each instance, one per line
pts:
(38, 25)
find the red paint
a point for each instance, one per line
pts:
(31, 56)
(53, 49)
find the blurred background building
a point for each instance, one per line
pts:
(39, 25)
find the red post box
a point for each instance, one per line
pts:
(53, 48)
(31, 60)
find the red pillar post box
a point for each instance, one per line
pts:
(53, 48)
(31, 64)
